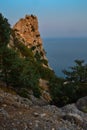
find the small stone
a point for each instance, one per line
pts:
(20, 113)
(13, 124)
(4, 112)
(37, 123)
(43, 115)
(53, 128)
(15, 129)
(36, 114)
(30, 123)
(4, 105)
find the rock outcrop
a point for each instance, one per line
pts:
(26, 30)
(17, 113)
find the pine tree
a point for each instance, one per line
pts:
(5, 31)
(77, 73)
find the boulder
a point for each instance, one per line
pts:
(82, 104)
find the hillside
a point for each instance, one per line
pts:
(24, 59)
(29, 89)
(17, 113)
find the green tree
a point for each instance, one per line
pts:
(76, 81)
(77, 73)
(56, 91)
(5, 31)
(5, 53)
(73, 87)
(24, 75)
(7, 57)
(30, 77)
(19, 72)
(15, 72)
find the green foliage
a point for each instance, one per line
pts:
(76, 79)
(24, 75)
(15, 72)
(25, 51)
(45, 72)
(78, 73)
(44, 61)
(73, 87)
(19, 72)
(36, 91)
(23, 93)
(62, 94)
(7, 57)
(5, 31)
(82, 90)
(37, 57)
(56, 91)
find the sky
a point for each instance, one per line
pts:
(57, 18)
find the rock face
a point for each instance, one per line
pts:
(26, 29)
(17, 113)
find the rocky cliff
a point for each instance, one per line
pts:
(26, 30)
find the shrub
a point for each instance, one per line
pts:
(44, 61)
(5, 31)
(23, 93)
(24, 50)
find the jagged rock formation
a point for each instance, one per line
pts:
(17, 113)
(26, 30)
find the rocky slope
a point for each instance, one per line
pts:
(17, 113)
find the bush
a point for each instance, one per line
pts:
(45, 62)
(23, 93)
(24, 50)
(45, 73)
(56, 91)
(5, 31)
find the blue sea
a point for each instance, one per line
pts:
(61, 52)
